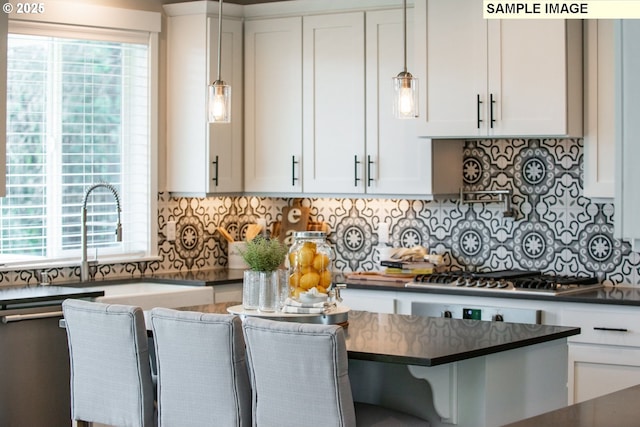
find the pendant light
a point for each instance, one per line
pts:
(219, 108)
(405, 86)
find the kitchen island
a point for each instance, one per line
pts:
(615, 409)
(604, 358)
(452, 371)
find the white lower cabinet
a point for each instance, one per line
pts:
(596, 370)
(374, 301)
(605, 357)
(231, 292)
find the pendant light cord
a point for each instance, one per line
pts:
(404, 32)
(220, 38)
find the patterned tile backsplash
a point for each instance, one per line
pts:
(554, 228)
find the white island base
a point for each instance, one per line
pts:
(484, 391)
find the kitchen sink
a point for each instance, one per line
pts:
(148, 295)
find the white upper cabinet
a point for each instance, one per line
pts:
(202, 158)
(273, 105)
(397, 161)
(627, 107)
(318, 116)
(496, 78)
(599, 117)
(333, 113)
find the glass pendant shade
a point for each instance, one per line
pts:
(219, 94)
(219, 107)
(405, 96)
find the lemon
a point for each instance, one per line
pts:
(320, 262)
(294, 279)
(309, 280)
(310, 245)
(325, 279)
(305, 256)
(307, 269)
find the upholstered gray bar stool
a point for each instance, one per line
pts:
(299, 377)
(202, 373)
(110, 370)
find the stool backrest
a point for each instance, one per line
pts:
(110, 370)
(299, 374)
(202, 372)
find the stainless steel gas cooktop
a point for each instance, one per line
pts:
(507, 281)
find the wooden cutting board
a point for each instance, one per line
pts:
(294, 218)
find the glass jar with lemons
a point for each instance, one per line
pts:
(310, 266)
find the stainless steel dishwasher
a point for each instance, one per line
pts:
(34, 358)
(34, 368)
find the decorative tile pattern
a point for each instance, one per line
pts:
(555, 227)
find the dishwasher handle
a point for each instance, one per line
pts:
(31, 316)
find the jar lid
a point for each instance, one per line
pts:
(310, 234)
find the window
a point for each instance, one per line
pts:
(78, 113)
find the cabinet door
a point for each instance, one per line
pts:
(598, 370)
(397, 161)
(599, 118)
(528, 65)
(365, 300)
(497, 78)
(225, 139)
(186, 104)
(273, 105)
(202, 158)
(451, 65)
(627, 178)
(333, 91)
(605, 356)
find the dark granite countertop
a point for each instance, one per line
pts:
(615, 295)
(430, 341)
(33, 296)
(616, 409)
(210, 277)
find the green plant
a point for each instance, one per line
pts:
(264, 254)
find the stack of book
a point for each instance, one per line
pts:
(408, 267)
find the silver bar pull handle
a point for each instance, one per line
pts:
(31, 316)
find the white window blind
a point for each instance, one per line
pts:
(77, 114)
